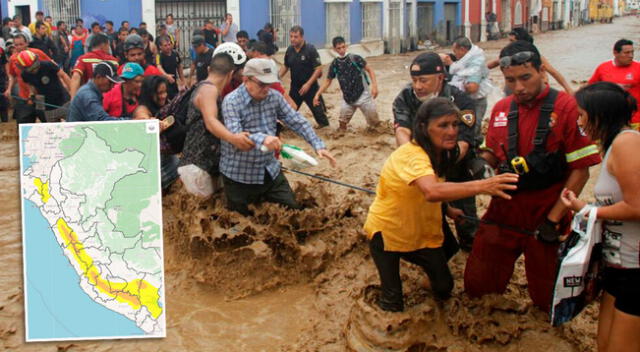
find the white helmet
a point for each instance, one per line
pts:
(234, 50)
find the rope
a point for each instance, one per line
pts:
(39, 103)
(326, 179)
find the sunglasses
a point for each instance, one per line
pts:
(516, 59)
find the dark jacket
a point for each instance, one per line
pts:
(406, 105)
(87, 105)
(46, 45)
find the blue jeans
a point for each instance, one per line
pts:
(168, 169)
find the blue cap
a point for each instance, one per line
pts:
(131, 70)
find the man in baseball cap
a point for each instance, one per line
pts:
(429, 80)
(262, 73)
(254, 175)
(87, 103)
(107, 70)
(262, 69)
(200, 60)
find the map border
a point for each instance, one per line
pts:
(24, 246)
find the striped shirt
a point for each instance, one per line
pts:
(242, 113)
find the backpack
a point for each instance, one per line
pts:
(357, 66)
(172, 139)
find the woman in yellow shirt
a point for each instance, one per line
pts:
(405, 219)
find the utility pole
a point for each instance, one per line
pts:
(483, 20)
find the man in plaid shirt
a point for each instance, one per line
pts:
(254, 176)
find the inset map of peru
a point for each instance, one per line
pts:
(92, 230)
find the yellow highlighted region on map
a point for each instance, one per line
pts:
(43, 189)
(136, 294)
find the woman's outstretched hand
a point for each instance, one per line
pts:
(499, 184)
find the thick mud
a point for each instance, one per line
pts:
(239, 256)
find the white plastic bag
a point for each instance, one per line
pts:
(197, 181)
(579, 269)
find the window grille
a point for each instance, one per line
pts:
(284, 15)
(371, 20)
(63, 10)
(188, 16)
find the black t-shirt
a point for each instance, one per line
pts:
(3, 74)
(349, 71)
(119, 53)
(202, 64)
(149, 57)
(45, 44)
(406, 105)
(170, 63)
(211, 37)
(301, 63)
(47, 83)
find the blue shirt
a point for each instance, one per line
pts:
(87, 105)
(244, 114)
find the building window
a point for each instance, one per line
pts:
(189, 16)
(371, 20)
(284, 15)
(63, 10)
(337, 14)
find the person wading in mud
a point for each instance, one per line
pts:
(205, 129)
(405, 219)
(303, 60)
(354, 83)
(606, 111)
(533, 132)
(428, 81)
(254, 176)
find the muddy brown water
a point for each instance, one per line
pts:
(299, 281)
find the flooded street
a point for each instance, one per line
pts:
(294, 282)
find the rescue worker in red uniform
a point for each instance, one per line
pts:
(534, 133)
(623, 71)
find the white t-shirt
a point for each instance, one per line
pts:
(231, 35)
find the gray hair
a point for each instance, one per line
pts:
(463, 42)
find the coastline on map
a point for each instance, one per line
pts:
(44, 312)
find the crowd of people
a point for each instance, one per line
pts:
(220, 126)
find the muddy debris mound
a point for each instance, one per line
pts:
(240, 256)
(418, 326)
(492, 323)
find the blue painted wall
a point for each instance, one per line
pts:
(355, 22)
(312, 18)
(4, 7)
(253, 16)
(114, 10)
(439, 10)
